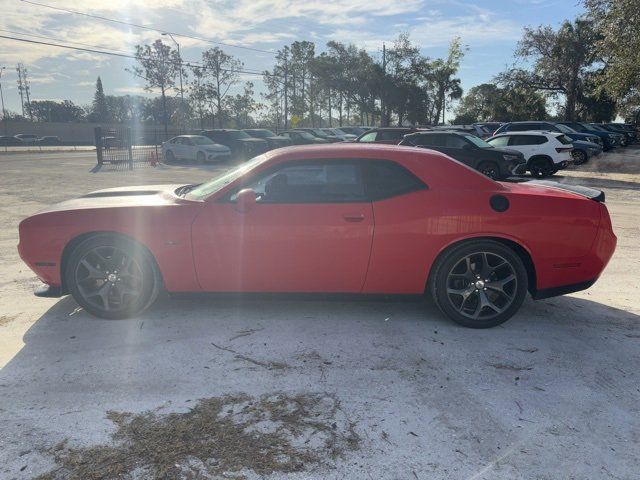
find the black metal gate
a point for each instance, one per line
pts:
(126, 148)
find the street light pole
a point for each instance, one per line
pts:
(180, 73)
(4, 112)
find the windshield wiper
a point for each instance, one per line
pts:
(182, 191)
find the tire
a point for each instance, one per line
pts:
(490, 169)
(579, 157)
(112, 277)
(170, 157)
(462, 294)
(200, 157)
(541, 167)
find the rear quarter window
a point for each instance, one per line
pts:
(386, 179)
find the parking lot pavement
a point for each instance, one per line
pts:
(371, 389)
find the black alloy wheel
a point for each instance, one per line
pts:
(480, 284)
(112, 277)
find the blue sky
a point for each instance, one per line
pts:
(489, 28)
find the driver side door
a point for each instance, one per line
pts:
(310, 230)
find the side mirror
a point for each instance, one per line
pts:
(245, 200)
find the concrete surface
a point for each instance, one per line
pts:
(553, 393)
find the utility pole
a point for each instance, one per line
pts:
(23, 88)
(4, 112)
(383, 117)
(180, 73)
(286, 87)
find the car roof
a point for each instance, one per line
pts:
(436, 132)
(530, 132)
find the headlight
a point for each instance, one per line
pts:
(510, 158)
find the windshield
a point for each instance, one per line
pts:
(564, 128)
(576, 126)
(319, 132)
(238, 134)
(599, 129)
(202, 141)
(261, 133)
(212, 186)
(478, 142)
(306, 135)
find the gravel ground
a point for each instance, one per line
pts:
(364, 389)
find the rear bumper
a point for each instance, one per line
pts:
(562, 290)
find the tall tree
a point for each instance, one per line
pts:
(99, 108)
(158, 65)
(618, 23)
(52, 111)
(488, 102)
(443, 77)
(219, 72)
(562, 59)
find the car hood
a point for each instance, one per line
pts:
(252, 140)
(215, 148)
(508, 151)
(580, 136)
(140, 196)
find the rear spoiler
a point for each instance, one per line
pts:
(590, 193)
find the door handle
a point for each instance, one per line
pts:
(353, 217)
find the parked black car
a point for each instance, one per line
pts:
(9, 141)
(317, 132)
(495, 163)
(274, 141)
(631, 134)
(241, 144)
(607, 140)
(298, 137)
(548, 127)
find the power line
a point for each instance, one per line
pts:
(144, 27)
(126, 55)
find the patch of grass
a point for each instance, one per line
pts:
(6, 319)
(219, 437)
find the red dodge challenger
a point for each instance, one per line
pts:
(350, 218)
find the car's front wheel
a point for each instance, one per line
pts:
(112, 277)
(479, 284)
(541, 167)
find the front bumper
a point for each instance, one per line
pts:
(519, 168)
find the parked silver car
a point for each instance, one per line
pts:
(194, 148)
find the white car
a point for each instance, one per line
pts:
(545, 152)
(194, 148)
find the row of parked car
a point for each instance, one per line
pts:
(225, 144)
(28, 139)
(542, 148)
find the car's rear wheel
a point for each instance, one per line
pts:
(200, 157)
(479, 284)
(490, 169)
(112, 277)
(541, 167)
(579, 157)
(170, 157)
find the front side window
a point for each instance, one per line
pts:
(369, 137)
(499, 141)
(454, 141)
(310, 182)
(391, 135)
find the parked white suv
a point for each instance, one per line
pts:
(545, 152)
